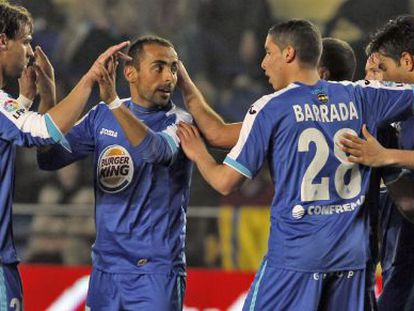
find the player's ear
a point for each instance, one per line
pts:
(3, 41)
(324, 73)
(407, 61)
(289, 54)
(130, 73)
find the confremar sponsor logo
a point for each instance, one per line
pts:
(107, 132)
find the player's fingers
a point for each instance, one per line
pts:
(351, 151)
(123, 56)
(111, 51)
(350, 143)
(353, 138)
(195, 131)
(186, 130)
(41, 56)
(354, 159)
(180, 135)
(366, 133)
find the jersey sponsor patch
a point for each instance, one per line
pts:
(13, 107)
(115, 169)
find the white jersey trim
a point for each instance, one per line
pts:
(250, 118)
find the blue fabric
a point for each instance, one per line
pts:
(11, 295)
(279, 289)
(55, 133)
(108, 291)
(317, 223)
(141, 195)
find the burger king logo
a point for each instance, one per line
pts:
(115, 169)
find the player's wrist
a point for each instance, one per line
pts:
(115, 104)
(391, 157)
(24, 101)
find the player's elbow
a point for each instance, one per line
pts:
(226, 187)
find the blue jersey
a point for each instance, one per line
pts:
(397, 245)
(397, 240)
(18, 127)
(317, 223)
(141, 192)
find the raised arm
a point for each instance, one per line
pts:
(370, 152)
(67, 112)
(154, 147)
(45, 81)
(212, 126)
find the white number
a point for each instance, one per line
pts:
(308, 190)
(353, 188)
(15, 304)
(311, 191)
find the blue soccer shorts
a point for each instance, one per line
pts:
(109, 291)
(277, 289)
(11, 293)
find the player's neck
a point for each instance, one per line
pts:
(307, 76)
(139, 100)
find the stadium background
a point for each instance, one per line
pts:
(221, 43)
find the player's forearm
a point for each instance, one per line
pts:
(398, 157)
(214, 129)
(67, 112)
(47, 102)
(134, 130)
(215, 174)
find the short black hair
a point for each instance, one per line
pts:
(303, 36)
(339, 58)
(135, 50)
(13, 19)
(394, 38)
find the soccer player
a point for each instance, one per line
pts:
(392, 48)
(141, 185)
(337, 63)
(318, 244)
(20, 127)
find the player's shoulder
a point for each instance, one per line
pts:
(276, 96)
(179, 114)
(96, 112)
(389, 85)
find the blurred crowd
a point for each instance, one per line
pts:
(221, 44)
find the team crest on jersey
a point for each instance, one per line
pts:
(11, 105)
(115, 169)
(323, 98)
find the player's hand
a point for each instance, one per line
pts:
(366, 151)
(107, 84)
(45, 76)
(191, 141)
(184, 79)
(27, 83)
(95, 72)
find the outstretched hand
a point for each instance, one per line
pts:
(98, 70)
(191, 141)
(183, 77)
(107, 83)
(366, 151)
(27, 83)
(45, 76)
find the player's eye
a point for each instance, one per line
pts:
(158, 68)
(174, 68)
